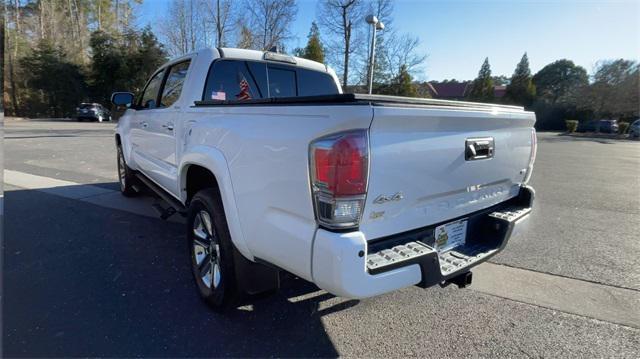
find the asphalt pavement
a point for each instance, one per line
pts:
(88, 273)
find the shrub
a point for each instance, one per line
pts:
(622, 127)
(572, 125)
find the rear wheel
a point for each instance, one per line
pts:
(125, 175)
(211, 251)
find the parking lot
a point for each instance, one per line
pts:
(88, 272)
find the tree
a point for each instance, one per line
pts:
(221, 11)
(247, 39)
(615, 91)
(60, 31)
(108, 70)
(393, 49)
(560, 82)
(402, 52)
(118, 68)
(314, 50)
(53, 81)
(521, 90)
(2, 62)
(401, 85)
(337, 18)
(270, 21)
(500, 80)
(181, 28)
(143, 58)
(482, 86)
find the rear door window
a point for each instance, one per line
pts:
(173, 85)
(230, 80)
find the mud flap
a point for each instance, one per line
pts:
(254, 278)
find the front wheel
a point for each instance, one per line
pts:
(211, 251)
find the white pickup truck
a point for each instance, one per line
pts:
(276, 169)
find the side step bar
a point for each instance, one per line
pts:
(174, 205)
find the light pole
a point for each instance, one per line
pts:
(375, 25)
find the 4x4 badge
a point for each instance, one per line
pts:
(383, 198)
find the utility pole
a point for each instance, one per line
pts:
(375, 25)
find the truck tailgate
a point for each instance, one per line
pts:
(419, 174)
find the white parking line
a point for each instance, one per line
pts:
(598, 301)
(100, 196)
(52, 185)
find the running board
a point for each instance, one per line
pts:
(174, 205)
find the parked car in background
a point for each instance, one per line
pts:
(634, 129)
(608, 126)
(588, 126)
(92, 112)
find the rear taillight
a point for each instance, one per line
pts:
(339, 166)
(532, 157)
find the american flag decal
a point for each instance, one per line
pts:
(244, 94)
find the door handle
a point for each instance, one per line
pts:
(168, 126)
(144, 124)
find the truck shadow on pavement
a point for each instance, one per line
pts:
(85, 280)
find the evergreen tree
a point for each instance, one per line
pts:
(56, 85)
(482, 86)
(146, 57)
(115, 67)
(401, 85)
(108, 71)
(404, 83)
(521, 89)
(314, 50)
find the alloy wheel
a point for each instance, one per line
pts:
(206, 251)
(121, 170)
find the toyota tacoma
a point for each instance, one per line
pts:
(276, 169)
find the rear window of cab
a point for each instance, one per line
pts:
(237, 80)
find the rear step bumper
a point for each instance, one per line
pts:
(346, 264)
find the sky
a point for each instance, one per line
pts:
(456, 36)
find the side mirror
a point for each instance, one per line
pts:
(122, 99)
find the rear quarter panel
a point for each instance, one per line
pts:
(266, 150)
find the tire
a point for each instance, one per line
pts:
(211, 251)
(125, 176)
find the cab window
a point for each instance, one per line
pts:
(150, 93)
(230, 80)
(173, 85)
(264, 80)
(315, 83)
(282, 82)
